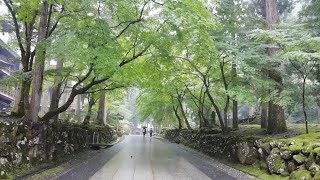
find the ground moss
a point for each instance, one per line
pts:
(253, 170)
(292, 148)
(294, 129)
(317, 150)
(299, 158)
(278, 163)
(313, 128)
(315, 145)
(298, 175)
(265, 145)
(250, 138)
(275, 150)
(306, 139)
(263, 165)
(7, 176)
(297, 143)
(48, 173)
(317, 176)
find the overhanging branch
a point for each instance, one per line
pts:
(16, 25)
(104, 89)
(131, 22)
(141, 53)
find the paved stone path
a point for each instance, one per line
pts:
(145, 158)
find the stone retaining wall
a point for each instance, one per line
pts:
(25, 145)
(298, 160)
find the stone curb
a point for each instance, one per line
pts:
(69, 167)
(235, 173)
(73, 166)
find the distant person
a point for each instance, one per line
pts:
(144, 131)
(151, 131)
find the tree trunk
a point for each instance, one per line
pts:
(226, 107)
(101, 116)
(235, 118)
(318, 114)
(200, 119)
(37, 76)
(184, 114)
(175, 109)
(27, 63)
(78, 109)
(22, 102)
(272, 14)
(91, 102)
(216, 108)
(75, 90)
(276, 121)
(16, 100)
(304, 104)
(199, 102)
(213, 118)
(205, 116)
(264, 104)
(206, 123)
(55, 96)
(225, 113)
(264, 114)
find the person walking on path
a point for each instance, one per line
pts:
(151, 131)
(144, 131)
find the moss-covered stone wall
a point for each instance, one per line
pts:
(24, 145)
(298, 158)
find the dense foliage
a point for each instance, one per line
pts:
(194, 62)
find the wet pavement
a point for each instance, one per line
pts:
(145, 158)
